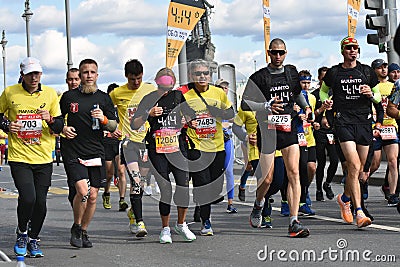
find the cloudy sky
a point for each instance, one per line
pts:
(114, 31)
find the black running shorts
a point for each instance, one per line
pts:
(76, 171)
(361, 134)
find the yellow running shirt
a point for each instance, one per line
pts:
(127, 101)
(208, 136)
(248, 119)
(34, 143)
(308, 131)
(385, 89)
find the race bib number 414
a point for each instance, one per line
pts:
(31, 125)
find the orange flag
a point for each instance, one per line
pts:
(353, 10)
(183, 16)
(267, 27)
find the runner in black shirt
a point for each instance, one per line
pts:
(164, 110)
(271, 92)
(82, 147)
(354, 89)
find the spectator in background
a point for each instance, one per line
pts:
(230, 152)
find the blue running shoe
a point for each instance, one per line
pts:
(284, 208)
(266, 222)
(21, 245)
(305, 210)
(206, 228)
(34, 249)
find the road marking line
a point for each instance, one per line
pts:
(325, 218)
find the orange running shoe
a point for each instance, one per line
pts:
(345, 210)
(362, 220)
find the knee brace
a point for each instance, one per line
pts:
(136, 187)
(85, 198)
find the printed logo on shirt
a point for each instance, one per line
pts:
(74, 107)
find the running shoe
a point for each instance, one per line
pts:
(106, 201)
(364, 190)
(242, 194)
(196, 215)
(141, 230)
(165, 236)
(76, 236)
(20, 247)
(266, 222)
(132, 222)
(34, 249)
(319, 196)
(206, 228)
(231, 209)
(296, 229)
(362, 220)
(148, 191)
(385, 191)
(345, 210)
(284, 208)
(328, 190)
(305, 210)
(123, 205)
(86, 243)
(256, 217)
(184, 231)
(393, 200)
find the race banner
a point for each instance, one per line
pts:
(267, 27)
(183, 16)
(353, 10)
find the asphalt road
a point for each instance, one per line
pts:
(235, 243)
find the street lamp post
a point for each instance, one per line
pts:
(68, 33)
(3, 44)
(27, 17)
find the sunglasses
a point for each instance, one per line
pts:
(350, 47)
(198, 73)
(276, 52)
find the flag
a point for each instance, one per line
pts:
(267, 27)
(183, 16)
(353, 10)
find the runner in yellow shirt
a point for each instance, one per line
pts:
(133, 152)
(206, 139)
(33, 115)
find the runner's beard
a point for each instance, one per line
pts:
(87, 89)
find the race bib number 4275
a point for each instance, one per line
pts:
(31, 125)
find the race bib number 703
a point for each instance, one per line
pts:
(31, 125)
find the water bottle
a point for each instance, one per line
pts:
(95, 121)
(21, 261)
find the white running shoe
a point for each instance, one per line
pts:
(184, 231)
(132, 222)
(165, 236)
(148, 191)
(157, 188)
